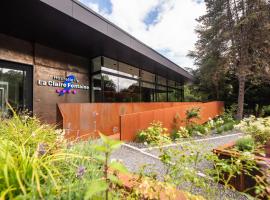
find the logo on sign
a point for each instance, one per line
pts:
(69, 85)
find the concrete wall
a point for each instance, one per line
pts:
(46, 63)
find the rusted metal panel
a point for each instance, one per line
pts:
(132, 123)
(87, 119)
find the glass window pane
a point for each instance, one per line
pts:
(161, 93)
(96, 64)
(161, 80)
(110, 87)
(96, 88)
(129, 90)
(11, 89)
(147, 76)
(178, 85)
(127, 70)
(110, 65)
(174, 95)
(171, 83)
(147, 92)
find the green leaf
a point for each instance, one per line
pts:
(114, 144)
(117, 166)
(95, 187)
(114, 179)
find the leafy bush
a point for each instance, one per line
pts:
(154, 134)
(258, 128)
(228, 126)
(199, 130)
(219, 130)
(182, 132)
(191, 114)
(245, 144)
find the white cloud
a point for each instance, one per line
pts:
(173, 34)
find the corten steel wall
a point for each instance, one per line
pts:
(86, 119)
(132, 123)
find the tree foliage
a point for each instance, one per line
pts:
(233, 47)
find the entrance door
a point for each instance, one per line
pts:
(15, 87)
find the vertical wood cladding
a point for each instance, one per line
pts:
(47, 62)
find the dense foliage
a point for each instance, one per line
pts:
(232, 53)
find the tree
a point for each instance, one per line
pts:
(234, 38)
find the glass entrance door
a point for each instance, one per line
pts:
(15, 87)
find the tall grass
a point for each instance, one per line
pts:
(37, 163)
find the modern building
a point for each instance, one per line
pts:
(55, 51)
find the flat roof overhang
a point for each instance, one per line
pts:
(70, 26)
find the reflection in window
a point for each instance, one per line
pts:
(110, 65)
(147, 76)
(110, 87)
(161, 93)
(96, 64)
(11, 89)
(147, 92)
(171, 83)
(129, 90)
(129, 71)
(96, 88)
(161, 80)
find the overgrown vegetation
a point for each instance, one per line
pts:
(36, 162)
(186, 127)
(154, 134)
(245, 144)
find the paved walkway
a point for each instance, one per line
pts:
(134, 158)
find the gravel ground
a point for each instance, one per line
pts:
(134, 158)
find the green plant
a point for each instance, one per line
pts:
(182, 132)
(108, 182)
(154, 134)
(245, 144)
(228, 126)
(191, 115)
(36, 162)
(199, 130)
(219, 130)
(258, 128)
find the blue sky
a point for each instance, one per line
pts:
(165, 25)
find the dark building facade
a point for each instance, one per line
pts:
(60, 51)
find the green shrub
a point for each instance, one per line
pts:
(228, 126)
(219, 130)
(154, 134)
(245, 144)
(258, 128)
(200, 130)
(181, 133)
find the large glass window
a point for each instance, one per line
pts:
(129, 90)
(161, 80)
(147, 92)
(174, 94)
(120, 82)
(129, 71)
(96, 64)
(110, 87)
(96, 88)
(161, 93)
(147, 76)
(15, 88)
(109, 65)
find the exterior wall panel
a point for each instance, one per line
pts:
(64, 6)
(89, 19)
